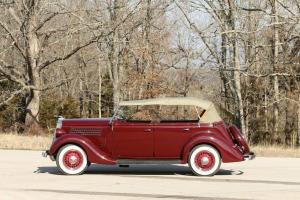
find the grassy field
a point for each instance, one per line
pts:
(276, 151)
(14, 141)
(24, 142)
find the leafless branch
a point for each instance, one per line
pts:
(14, 40)
(11, 97)
(44, 22)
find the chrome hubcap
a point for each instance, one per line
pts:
(204, 161)
(73, 160)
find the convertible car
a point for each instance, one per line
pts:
(152, 131)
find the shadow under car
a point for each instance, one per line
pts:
(136, 170)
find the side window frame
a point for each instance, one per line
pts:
(176, 111)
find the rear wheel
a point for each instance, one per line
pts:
(71, 160)
(204, 160)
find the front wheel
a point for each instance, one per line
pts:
(204, 160)
(71, 160)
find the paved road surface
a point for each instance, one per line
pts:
(25, 175)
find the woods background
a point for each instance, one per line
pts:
(79, 58)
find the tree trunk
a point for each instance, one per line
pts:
(238, 90)
(113, 58)
(266, 100)
(32, 51)
(146, 59)
(291, 119)
(226, 91)
(33, 107)
(275, 69)
(99, 88)
(116, 93)
(114, 51)
(298, 122)
(237, 69)
(81, 93)
(84, 94)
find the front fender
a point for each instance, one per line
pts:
(94, 154)
(229, 153)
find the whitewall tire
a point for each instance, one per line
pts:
(71, 160)
(204, 160)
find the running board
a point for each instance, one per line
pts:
(155, 162)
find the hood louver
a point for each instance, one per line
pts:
(86, 131)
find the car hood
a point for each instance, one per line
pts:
(86, 122)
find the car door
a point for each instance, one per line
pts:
(177, 124)
(133, 139)
(170, 138)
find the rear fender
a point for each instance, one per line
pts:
(228, 152)
(94, 154)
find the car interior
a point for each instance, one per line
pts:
(160, 114)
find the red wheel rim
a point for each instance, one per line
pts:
(73, 159)
(205, 160)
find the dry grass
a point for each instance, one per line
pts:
(276, 151)
(24, 142)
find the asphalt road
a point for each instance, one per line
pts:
(25, 175)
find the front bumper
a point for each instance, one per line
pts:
(46, 153)
(249, 156)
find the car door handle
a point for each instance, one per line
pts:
(148, 130)
(186, 129)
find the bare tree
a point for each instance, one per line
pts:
(30, 38)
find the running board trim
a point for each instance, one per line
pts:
(135, 161)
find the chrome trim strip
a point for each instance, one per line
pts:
(135, 161)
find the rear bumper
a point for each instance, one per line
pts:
(249, 156)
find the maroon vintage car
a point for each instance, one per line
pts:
(152, 131)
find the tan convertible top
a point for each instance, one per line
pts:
(211, 114)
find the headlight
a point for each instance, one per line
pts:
(59, 122)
